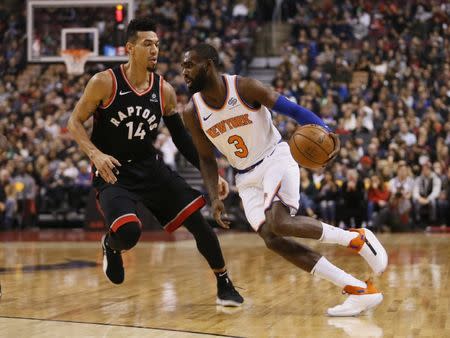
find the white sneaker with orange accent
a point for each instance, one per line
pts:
(359, 300)
(370, 248)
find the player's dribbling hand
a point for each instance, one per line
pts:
(106, 166)
(218, 209)
(337, 146)
(224, 189)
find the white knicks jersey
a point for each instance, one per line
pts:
(243, 134)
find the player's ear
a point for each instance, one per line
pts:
(208, 65)
(129, 47)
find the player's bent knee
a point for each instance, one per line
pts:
(267, 235)
(128, 235)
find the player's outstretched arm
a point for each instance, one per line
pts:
(254, 92)
(98, 90)
(173, 122)
(208, 164)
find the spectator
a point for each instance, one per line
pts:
(427, 188)
(377, 196)
(402, 183)
(406, 136)
(167, 148)
(10, 210)
(82, 186)
(443, 205)
(25, 187)
(395, 217)
(326, 198)
(366, 166)
(308, 193)
(350, 205)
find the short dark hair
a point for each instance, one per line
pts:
(207, 52)
(144, 24)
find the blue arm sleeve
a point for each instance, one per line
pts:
(298, 113)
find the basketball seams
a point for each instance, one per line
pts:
(307, 138)
(307, 151)
(311, 140)
(309, 159)
(295, 149)
(308, 146)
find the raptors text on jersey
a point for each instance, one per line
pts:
(126, 126)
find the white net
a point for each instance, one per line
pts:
(75, 59)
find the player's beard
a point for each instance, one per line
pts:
(151, 69)
(198, 84)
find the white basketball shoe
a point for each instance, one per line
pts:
(359, 300)
(370, 248)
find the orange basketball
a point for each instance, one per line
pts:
(311, 146)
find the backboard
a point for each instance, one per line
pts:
(56, 25)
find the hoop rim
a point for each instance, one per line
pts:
(75, 60)
(76, 53)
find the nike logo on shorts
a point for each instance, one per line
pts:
(207, 117)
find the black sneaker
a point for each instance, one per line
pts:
(112, 264)
(227, 295)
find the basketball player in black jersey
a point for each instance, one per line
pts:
(127, 103)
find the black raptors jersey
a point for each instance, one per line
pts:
(127, 125)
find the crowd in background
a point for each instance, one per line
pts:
(377, 72)
(43, 171)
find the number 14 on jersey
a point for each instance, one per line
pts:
(138, 132)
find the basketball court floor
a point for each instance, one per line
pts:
(53, 286)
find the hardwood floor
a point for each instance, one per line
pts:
(57, 289)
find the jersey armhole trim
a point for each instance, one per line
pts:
(197, 112)
(161, 94)
(241, 99)
(114, 92)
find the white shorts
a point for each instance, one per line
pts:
(277, 178)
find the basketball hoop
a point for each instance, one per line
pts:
(75, 60)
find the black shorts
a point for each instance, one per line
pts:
(165, 193)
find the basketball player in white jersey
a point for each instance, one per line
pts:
(230, 113)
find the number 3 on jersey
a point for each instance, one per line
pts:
(138, 133)
(239, 143)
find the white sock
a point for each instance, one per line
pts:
(324, 269)
(335, 235)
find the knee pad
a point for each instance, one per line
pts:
(125, 234)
